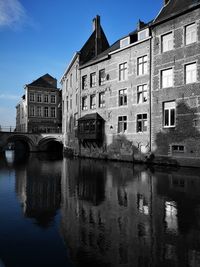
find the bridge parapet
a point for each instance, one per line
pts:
(33, 140)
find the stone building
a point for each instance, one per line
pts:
(40, 108)
(139, 98)
(113, 96)
(176, 83)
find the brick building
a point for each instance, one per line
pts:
(139, 98)
(40, 107)
(176, 83)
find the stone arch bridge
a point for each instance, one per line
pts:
(33, 142)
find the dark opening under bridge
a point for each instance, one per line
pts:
(32, 142)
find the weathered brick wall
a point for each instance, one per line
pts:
(186, 95)
(131, 143)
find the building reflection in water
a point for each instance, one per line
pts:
(114, 216)
(38, 186)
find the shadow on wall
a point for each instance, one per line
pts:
(182, 140)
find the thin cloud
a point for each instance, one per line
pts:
(9, 97)
(12, 13)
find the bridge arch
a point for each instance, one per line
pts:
(50, 144)
(22, 142)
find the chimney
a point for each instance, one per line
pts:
(97, 29)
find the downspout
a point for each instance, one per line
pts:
(150, 88)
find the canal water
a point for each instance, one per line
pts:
(72, 212)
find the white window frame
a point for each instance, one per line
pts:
(31, 97)
(32, 111)
(123, 71)
(144, 128)
(188, 35)
(142, 65)
(93, 79)
(53, 99)
(142, 93)
(46, 112)
(123, 97)
(124, 42)
(84, 103)
(167, 42)
(46, 98)
(102, 102)
(169, 106)
(190, 75)
(39, 111)
(121, 124)
(53, 112)
(92, 101)
(144, 34)
(168, 83)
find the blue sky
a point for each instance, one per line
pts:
(39, 37)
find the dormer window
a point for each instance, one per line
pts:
(124, 42)
(143, 34)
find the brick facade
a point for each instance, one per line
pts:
(151, 100)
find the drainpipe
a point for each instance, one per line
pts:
(150, 88)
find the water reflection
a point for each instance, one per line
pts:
(112, 214)
(38, 187)
(131, 216)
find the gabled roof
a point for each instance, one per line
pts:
(46, 81)
(174, 8)
(87, 52)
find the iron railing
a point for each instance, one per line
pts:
(7, 128)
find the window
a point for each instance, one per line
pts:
(66, 84)
(53, 112)
(142, 93)
(143, 34)
(76, 99)
(32, 111)
(142, 65)
(39, 111)
(75, 119)
(39, 98)
(102, 77)
(169, 114)
(46, 98)
(122, 124)
(167, 42)
(93, 79)
(92, 101)
(31, 97)
(84, 103)
(124, 42)
(101, 99)
(123, 71)
(53, 99)
(76, 73)
(70, 101)
(177, 148)
(190, 73)
(71, 80)
(123, 97)
(84, 82)
(190, 34)
(141, 122)
(46, 112)
(67, 103)
(167, 78)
